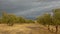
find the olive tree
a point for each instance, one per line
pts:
(45, 20)
(56, 18)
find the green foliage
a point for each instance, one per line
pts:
(40, 20)
(50, 20)
(56, 16)
(44, 19)
(29, 21)
(0, 20)
(20, 20)
(4, 17)
(11, 19)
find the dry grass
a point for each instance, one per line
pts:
(24, 29)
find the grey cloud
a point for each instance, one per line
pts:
(17, 5)
(49, 5)
(28, 7)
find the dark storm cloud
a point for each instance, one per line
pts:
(28, 7)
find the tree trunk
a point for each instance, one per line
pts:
(56, 29)
(49, 27)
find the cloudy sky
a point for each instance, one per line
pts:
(28, 8)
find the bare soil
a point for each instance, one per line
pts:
(24, 29)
